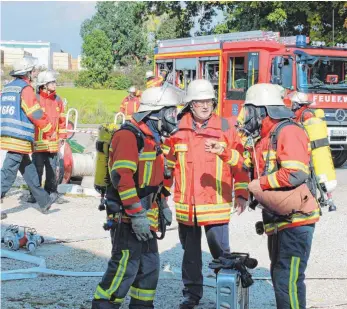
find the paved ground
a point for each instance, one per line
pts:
(88, 249)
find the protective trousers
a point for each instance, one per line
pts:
(134, 266)
(49, 161)
(289, 252)
(190, 238)
(22, 162)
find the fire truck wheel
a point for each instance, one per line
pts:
(339, 157)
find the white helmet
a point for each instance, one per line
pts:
(156, 98)
(271, 97)
(24, 66)
(46, 77)
(199, 89)
(300, 98)
(149, 74)
(132, 89)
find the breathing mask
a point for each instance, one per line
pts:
(252, 119)
(165, 120)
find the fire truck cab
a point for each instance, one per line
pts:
(234, 62)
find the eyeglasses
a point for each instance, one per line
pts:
(202, 103)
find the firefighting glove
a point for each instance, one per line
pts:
(141, 227)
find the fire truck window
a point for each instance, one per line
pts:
(167, 66)
(239, 79)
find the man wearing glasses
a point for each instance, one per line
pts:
(205, 156)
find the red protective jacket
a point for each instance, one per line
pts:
(204, 181)
(29, 105)
(127, 168)
(53, 106)
(289, 166)
(129, 106)
(155, 82)
(307, 114)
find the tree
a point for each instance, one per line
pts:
(167, 29)
(315, 16)
(97, 59)
(123, 24)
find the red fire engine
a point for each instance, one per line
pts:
(235, 61)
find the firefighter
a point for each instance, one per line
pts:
(300, 106)
(137, 174)
(45, 147)
(205, 157)
(131, 103)
(153, 81)
(282, 169)
(20, 114)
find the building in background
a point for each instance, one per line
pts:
(74, 64)
(43, 51)
(10, 56)
(62, 61)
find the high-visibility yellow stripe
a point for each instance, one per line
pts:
(273, 180)
(170, 163)
(295, 165)
(181, 147)
(219, 170)
(293, 279)
(141, 294)
(124, 164)
(46, 128)
(235, 157)
(122, 266)
(30, 110)
(147, 173)
(181, 159)
(212, 207)
(296, 218)
(13, 144)
(272, 156)
(149, 155)
(165, 149)
(127, 194)
(240, 185)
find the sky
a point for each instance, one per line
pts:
(50, 21)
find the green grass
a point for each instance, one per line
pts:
(93, 105)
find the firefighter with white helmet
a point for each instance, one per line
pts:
(136, 171)
(284, 187)
(152, 81)
(130, 103)
(46, 148)
(205, 157)
(20, 115)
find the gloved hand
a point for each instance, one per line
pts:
(140, 225)
(167, 213)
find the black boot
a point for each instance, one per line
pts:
(31, 199)
(189, 303)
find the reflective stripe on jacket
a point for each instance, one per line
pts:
(155, 82)
(204, 182)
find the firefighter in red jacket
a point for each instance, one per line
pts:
(20, 114)
(153, 81)
(137, 176)
(205, 156)
(46, 148)
(281, 168)
(131, 103)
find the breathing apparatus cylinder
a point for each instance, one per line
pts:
(322, 161)
(103, 142)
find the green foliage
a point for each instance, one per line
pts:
(284, 16)
(119, 81)
(94, 106)
(67, 77)
(167, 29)
(97, 59)
(123, 24)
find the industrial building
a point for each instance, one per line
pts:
(43, 51)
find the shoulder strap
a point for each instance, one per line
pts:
(274, 138)
(225, 125)
(303, 114)
(140, 137)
